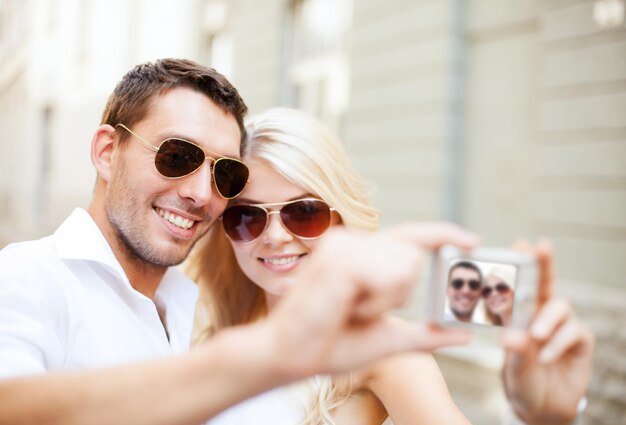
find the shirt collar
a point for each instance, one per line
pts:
(80, 238)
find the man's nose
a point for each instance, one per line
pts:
(198, 186)
(466, 288)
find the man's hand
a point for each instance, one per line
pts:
(333, 319)
(547, 367)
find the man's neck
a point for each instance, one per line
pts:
(463, 317)
(144, 277)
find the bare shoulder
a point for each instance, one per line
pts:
(398, 367)
(361, 408)
(411, 390)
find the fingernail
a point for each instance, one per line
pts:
(539, 330)
(546, 355)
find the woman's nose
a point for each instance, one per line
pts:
(276, 233)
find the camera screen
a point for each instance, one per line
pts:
(480, 292)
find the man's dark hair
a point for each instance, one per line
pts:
(133, 96)
(467, 265)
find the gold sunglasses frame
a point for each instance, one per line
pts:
(269, 213)
(207, 156)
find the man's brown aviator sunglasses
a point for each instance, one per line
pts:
(176, 158)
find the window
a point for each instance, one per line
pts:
(317, 59)
(216, 48)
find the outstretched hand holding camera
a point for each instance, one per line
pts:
(548, 363)
(335, 319)
(548, 350)
(548, 366)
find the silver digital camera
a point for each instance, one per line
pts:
(481, 287)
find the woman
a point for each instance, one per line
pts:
(498, 296)
(301, 183)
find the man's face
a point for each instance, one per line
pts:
(156, 219)
(463, 300)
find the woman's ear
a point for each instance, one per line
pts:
(102, 148)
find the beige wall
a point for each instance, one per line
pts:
(579, 194)
(500, 136)
(396, 123)
(65, 56)
(580, 189)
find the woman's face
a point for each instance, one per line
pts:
(498, 302)
(270, 260)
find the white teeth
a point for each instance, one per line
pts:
(281, 261)
(176, 220)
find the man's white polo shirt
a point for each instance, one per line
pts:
(66, 304)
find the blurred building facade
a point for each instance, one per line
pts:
(508, 117)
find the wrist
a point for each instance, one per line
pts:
(511, 417)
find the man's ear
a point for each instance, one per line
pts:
(102, 148)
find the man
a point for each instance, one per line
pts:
(464, 285)
(94, 324)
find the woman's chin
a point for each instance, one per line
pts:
(501, 311)
(497, 311)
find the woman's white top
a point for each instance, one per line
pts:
(280, 406)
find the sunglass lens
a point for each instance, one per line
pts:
(502, 288)
(230, 177)
(306, 219)
(177, 158)
(474, 285)
(244, 223)
(457, 283)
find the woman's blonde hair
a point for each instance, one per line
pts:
(308, 155)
